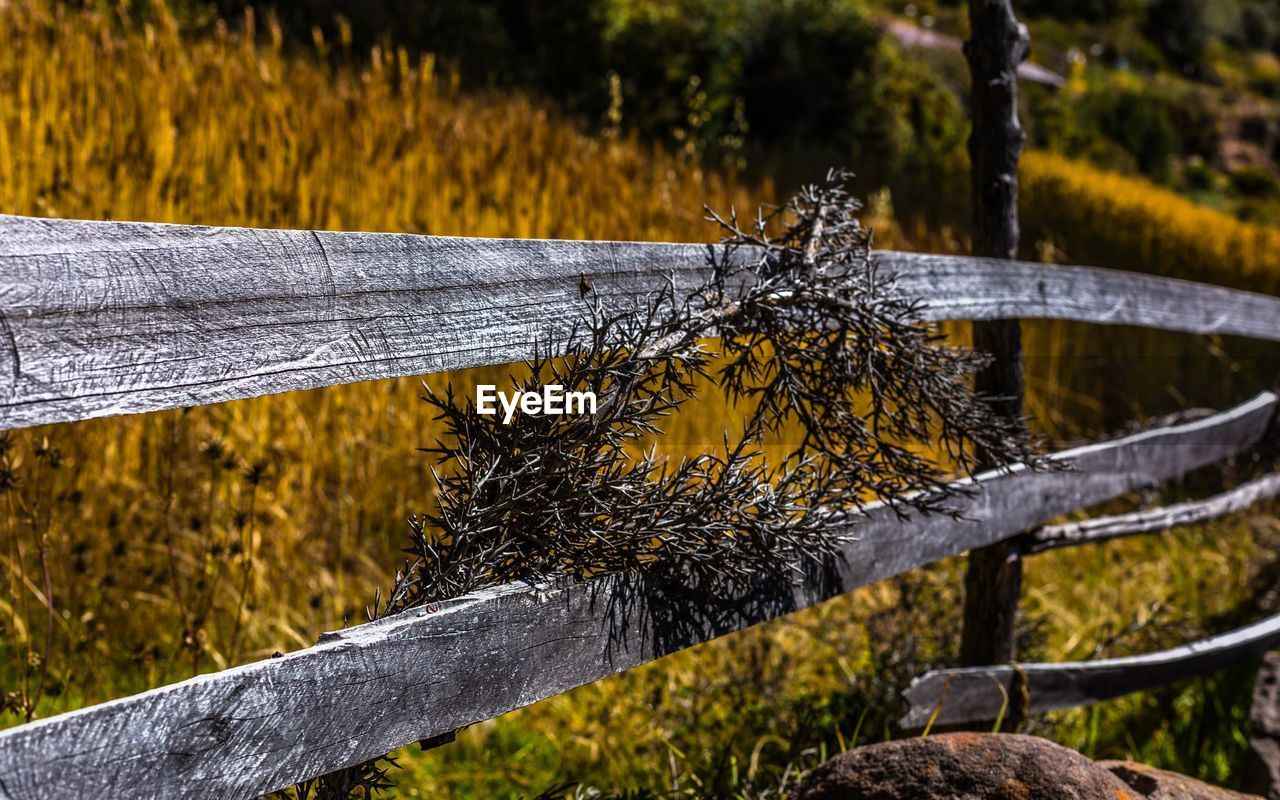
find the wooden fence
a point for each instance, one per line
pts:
(104, 318)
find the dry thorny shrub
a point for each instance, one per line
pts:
(811, 335)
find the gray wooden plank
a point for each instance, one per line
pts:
(1163, 518)
(105, 318)
(964, 287)
(374, 687)
(975, 694)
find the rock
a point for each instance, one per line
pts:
(1261, 769)
(964, 766)
(1159, 784)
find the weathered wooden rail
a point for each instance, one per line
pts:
(1154, 520)
(974, 694)
(106, 318)
(103, 318)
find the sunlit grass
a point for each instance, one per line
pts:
(109, 118)
(1097, 217)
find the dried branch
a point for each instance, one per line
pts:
(812, 336)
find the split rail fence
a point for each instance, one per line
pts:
(107, 318)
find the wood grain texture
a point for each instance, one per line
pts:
(971, 694)
(104, 318)
(1101, 529)
(370, 689)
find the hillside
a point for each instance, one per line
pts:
(1184, 93)
(1179, 91)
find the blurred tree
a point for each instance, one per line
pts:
(553, 45)
(1180, 28)
(1259, 23)
(1087, 10)
(1139, 122)
(809, 77)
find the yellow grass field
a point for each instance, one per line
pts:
(148, 548)
(1097, 217)
(105, 118)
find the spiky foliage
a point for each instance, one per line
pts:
(813, 337)
(360, 782)
(569, 495)
(819, 337)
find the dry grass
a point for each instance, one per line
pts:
(1131, 223)
(153, 524)
(169, 551)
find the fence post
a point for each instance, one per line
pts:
(997, 44)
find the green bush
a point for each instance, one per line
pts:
(1128, 124)
(816, 79)
(1139, 122)
(1255, 182)
(1087, 10)
(1180, 28)
(1260, 25)
(1199, 177)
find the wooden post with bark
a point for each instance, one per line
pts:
(997, 45)
(1260, 772)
